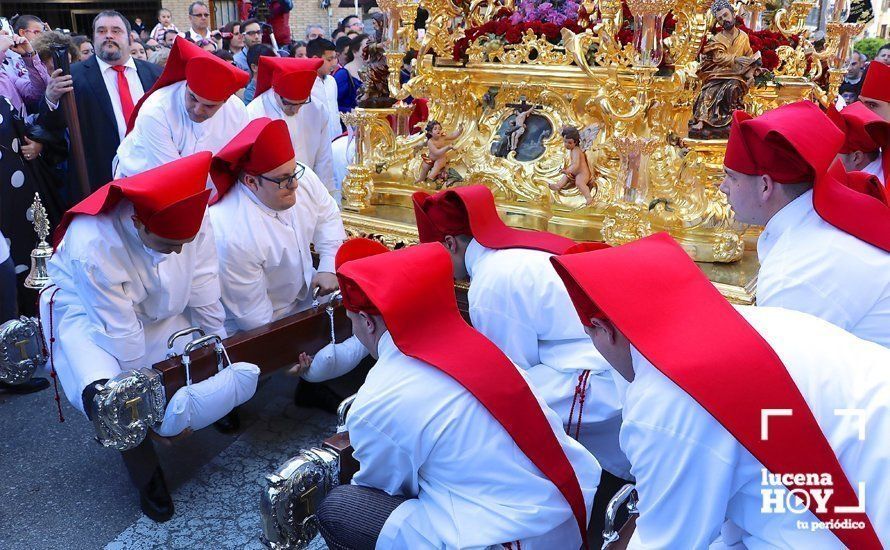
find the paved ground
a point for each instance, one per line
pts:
(60, 489)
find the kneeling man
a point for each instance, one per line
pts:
(455, 448)
(272, 208)
(736, 419)
(135, 263)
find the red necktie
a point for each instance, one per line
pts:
(123, 90)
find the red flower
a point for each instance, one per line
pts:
(535, 26)
(460, 48)
(625, 36)
(770, 59)
(756, 44)
(502, 26)
(514, 35)
(551, 31)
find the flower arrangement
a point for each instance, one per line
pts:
(767, 42)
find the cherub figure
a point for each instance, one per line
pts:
(517, 126)
(577, 172)
(438, 143)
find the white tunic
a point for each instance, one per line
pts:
(308, 133)
(324, 92)
(418, 433)
(692, 475)
(265, 262)
(119, 301)
(164, 132)
(808, 265)
(518, 301)
(876, 168)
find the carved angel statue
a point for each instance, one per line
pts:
(727, 70)
(434, 164)
(577, 172)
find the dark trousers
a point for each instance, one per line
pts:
(352, 516)
(141, 461)
(8, 294)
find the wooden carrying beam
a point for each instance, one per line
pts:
(271, 347)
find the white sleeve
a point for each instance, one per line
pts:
(329, 233)
(204, 301)
(115, 327)
(243, 282)
(683, 485)
(497, 319)
(324, 157)
(148, 146)
(335, 360)
(801, 295)
(383, 464)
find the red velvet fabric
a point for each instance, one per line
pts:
(413, 290)
(354, 299)
(207, 75)
(169, 200)
(471, 211)
(852, 203)
(291, 78)
(877, 82)
(263, 145)
(851, 121)
(734, 381)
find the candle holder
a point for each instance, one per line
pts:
(358, 184)
(648, 30)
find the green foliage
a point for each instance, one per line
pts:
(869, 46)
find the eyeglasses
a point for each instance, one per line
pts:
(287, 181)
(251, 33)
(287, 103)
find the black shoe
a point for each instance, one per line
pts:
(317, 396)
(230, 423)
(31, 386)
(154, 498)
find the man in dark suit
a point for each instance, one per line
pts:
(106, 88)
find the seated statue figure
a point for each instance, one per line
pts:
(727, 69)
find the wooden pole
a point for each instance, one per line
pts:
(76, 156)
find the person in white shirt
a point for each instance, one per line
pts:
(272, 209)
(826, 237)
(727, 410)
(191, 108)
(455, 448)
(516, 300)
(135, 262)
(324, 92)
(860, 152)
(199, 17)
(283, 89)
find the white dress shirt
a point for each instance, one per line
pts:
(265, 261)
(308, 133)
(333, 108)
(808, 265)
(876, 168)
(118, 301)
(163, 131)
(518, 301)
(695, 479)
(109, 75)
(195, 36)
(418, 433)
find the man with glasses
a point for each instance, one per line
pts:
(191, 108)
(199, 16)
(314, 31)
(252, 33)
(283, 92)
(272, 209)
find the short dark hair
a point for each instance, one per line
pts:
(572, 133)
(251, 21)
(112, 13)
(342, 44)
(197, 3)
(317, 47)
(22, 22)
(882, 48)
(168, 31)
(258, 50)
(225, 55)
(296, 44)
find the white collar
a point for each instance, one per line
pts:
(386, 348)
(103, 66)
(255, 200)
(474, 253)
(196, 33)
(792, 215)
